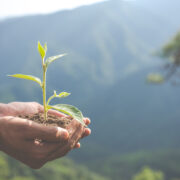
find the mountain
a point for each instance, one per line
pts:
(112, 39)
(136, 115)
(105, 43)
(110, 47)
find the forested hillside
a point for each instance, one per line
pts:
(63, 169)
(110, 48)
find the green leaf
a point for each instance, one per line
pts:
(42, 50)
(63, 94)
(28, 77)
(53, 58)
(45, 47)
(155, 78)
(55, 94)
(70, 110)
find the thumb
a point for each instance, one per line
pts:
(46, 133)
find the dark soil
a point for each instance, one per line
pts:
(51, 119)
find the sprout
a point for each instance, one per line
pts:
(65, 108)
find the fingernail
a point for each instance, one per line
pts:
(78, 145)
(88, 120)
(88, 131)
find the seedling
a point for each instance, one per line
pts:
(64, 108)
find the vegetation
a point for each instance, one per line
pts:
(64, 169)
(162, 165)
(171, 54)
(112, 58)
(172, 50)
(67, 109)
(155, 78)
(148, 174)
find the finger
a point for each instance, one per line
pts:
(45, 148)
(77, 146)
(75, 130)
(58, 153)
(86, 133)
(73, 143)
(40, 148)
(45, 133)
(21, 108)
(76, 134)
(87, 121)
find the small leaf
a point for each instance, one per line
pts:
(42, 51)
(53, 58)
(45, 47)
(28, 77)
(55, 94)
(155, 78)
(63, 94)
(70, 110)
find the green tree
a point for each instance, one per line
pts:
(172, 50)
(148, 174)
(22, 178)
(4, 169)
(171, 54)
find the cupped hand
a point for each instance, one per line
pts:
(35, 144)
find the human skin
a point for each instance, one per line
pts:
(18, 136)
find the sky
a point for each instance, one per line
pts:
(11, 8)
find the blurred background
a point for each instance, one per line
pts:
(112, 47)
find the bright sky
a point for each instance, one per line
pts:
(9, 8)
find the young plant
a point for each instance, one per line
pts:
(64, 108)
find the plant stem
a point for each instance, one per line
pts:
(53, 96)
(44, 92)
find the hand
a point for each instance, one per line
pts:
(18, 137)
(27, 108)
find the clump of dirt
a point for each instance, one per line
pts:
(52, 120)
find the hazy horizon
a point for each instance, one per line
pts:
(23, 8)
